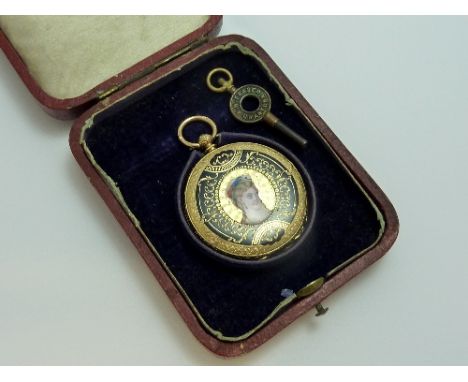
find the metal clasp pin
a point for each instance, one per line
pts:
(320, 310)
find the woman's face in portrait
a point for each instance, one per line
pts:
(245, 196)
(250, 199)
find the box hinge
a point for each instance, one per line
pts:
(106, 93)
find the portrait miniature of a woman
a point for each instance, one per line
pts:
(244, 195)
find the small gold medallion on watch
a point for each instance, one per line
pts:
(243, 199)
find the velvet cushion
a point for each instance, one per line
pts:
(135, 143)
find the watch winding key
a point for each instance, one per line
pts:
(255, 93)
(243, 199)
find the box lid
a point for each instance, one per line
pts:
(70, 63)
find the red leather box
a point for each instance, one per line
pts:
(138, 110)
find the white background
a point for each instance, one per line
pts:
(73, 289)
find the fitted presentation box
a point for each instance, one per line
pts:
(129, 82)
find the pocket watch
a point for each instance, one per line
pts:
(244, 200)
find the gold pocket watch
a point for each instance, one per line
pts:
(245, 200)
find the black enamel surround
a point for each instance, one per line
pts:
(135, 142)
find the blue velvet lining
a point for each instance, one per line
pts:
(135, 143)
